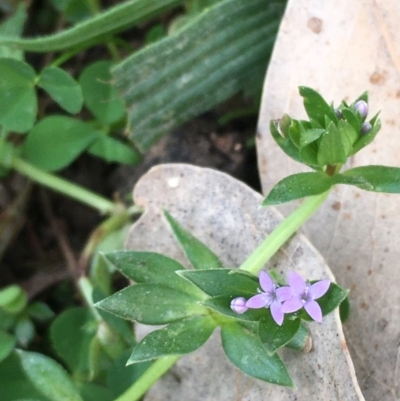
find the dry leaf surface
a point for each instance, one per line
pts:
(343, 48)
(225, 214)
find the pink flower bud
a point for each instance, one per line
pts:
(238, 305)
(361, 107)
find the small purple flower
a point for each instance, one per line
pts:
(362, 108)
(238, 305)
(365, 127)
(304, 295)
(271, 296)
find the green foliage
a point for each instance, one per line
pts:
(219, 282)
(72, 333)
(73, 10)
(7, 343)
(100, 96)
(324, 143)
(200, 256)
(13, 299)
(246, 351)
(56, 141)
(178, 338)
(298, 186)
(164, 294)
(18, 104)
(62, 88)
(13, 28)
(30, 374)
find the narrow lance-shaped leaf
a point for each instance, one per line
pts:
(315, 106)
(200, 256)
(284, 143)
(298, 186)
(217, 282)
(151, 268)
(372, 178)
(152, 304)
(177, 338)
(7, 343)
(331, 148)
(246, 351)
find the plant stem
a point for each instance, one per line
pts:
(148, 378)
(282, 233)
(67, 188)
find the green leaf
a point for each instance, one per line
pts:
(152, 304)
(316, 107)
(344, 310)
(71, 335)
(151, 268)
(48, 377)
(298, 186)
(24, 331)
(13, 28)
(198, 254)
(219, 53)
(331, 148)
(73, 10)
(120, 377)
(18, 103)
(372, 178)
(310, 135)
(353, 119)
(273, 336)
(222, 303)
(113, 151)
(13, 299)
(40, 311)
(177, 338)
(366, 139)
(95, 392)
(15, 384)
(246, 351)
(301, 341)
(62, 88)
(349, 136)
(83, 34)
(285, 143)
(309, 155)
(7, 343)
(56, 141)
(218, 282)
(100, 95)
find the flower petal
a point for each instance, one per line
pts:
(297, 283)
(238, 305)
(314, 310)
(292, 305)
(258, 301)
(266, 282)
(318, 289)
(276, 312)
(284, 293)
